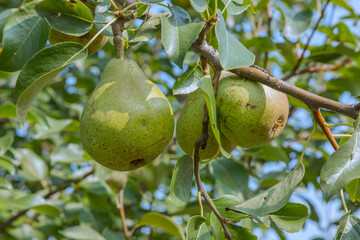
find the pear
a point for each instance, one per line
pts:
(127, 121)
(184, 4)
(250, 114)
(95, 46)
(189, 128)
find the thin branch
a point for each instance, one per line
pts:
(122, 214)
(269, 14)
(310, 37)
(200, 143)
(312, 69)
(320, 120)
(48, 195)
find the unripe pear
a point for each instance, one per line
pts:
(189, 128)
(95, 46)
(250, 114)
(184, 4)
(127, 121)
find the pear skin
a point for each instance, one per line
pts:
(189, 128)
(127, 121)
(250, 114)
(95, 46)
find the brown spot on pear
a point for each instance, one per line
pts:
(259, 119)
(189, 128)
(111, 126)
(95, 46)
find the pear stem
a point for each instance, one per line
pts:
(117, 28)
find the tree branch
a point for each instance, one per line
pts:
(261, 76)
(268, 10)
(312, 69)
(48, 195)
(310, 37)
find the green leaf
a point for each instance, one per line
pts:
(205, 85)
(6, 142)
(269, 152)
(8, 110)
(177, 34)
(33, 167)
(273, 198)
(298, 23)
(4, 17)
(40, 70)
(7, 165)
(291, 217)
(196, 229)
(181, 181)
(50, 127)
(188, 81)
(82, 232)
(104, 17)
(199, 5)
(342, 166)
(34, 202)
(353, 189)
(71, 153)
(349, 228)
(240, 233)
(70, 17)
(226, 201)
(161, 221)
(265, 44)
(232, 52)
(149, 29)
(235, 8)
(230, 177)
(151, 1)
(5, 184)
(25, 34)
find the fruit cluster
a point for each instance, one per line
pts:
(128, 121)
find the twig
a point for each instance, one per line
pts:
(320, 120)
(120, 203)
(201, 142)
(310, 37)
(312, 69)
(48, 195)
(268, 9)
(117, 28)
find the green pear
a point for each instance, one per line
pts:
(250, 114)
(184, 4)
(127, 121)
(189, 128)
(95, 46)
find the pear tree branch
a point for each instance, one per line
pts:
(261, 76)
(310, 37)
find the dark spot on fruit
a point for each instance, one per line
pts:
(138, 162)
(351, 157)
(248, 104)
(253, 107)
